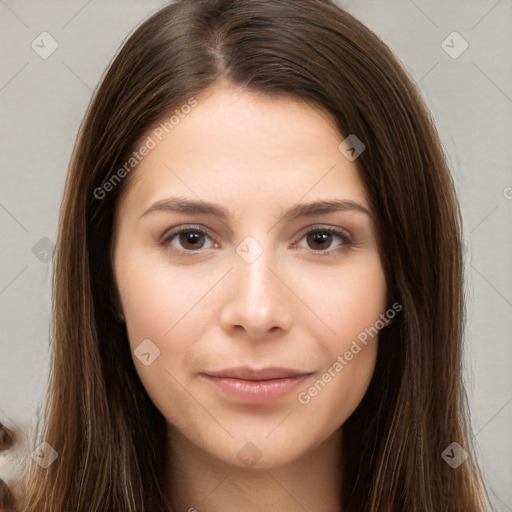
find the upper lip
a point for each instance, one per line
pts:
(248, 373)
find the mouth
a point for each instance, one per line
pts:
(256, 386)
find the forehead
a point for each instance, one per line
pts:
(244, 147)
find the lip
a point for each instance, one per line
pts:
(256, 386)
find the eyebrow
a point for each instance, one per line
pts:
(184, 205)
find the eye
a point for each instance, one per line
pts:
(320, 239)
(190, 239)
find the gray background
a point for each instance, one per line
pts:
(43, 101)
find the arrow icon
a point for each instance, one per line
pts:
(351, 147)
(44, 45)
(43, 249)
(249, 454)
(147, 352)
(454, 45)
(454, 455)
(249, 245)
(44, 455)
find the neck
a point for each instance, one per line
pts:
(199, 482)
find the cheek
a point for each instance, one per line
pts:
(347, 299)
(332, 397)
(351, 303)
(168, 308)
(156, 300)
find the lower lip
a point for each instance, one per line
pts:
(256, 392)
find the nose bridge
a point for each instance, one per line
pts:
(254, 276)
(259, 302)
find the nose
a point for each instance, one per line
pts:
(258, 300)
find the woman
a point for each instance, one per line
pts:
(207, 354)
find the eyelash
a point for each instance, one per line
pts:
(346, 240)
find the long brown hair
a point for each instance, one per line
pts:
(109, 437)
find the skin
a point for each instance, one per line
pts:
(256, 156)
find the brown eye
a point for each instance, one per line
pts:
(319, 240)
(187, 239)
(191, 240)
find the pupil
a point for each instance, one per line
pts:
(190, 238)
(320, 237)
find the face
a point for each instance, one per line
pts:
(246, 311)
